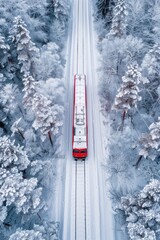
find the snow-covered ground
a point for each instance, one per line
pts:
(87, 210)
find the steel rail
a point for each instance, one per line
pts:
(76, 201)
(85, 200)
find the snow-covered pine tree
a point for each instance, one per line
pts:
(15, 128)
(10, 9)
(142, 212)
(118, 26)
(22, 193)
(139, 20)
(61, 10)
(150, 142)
(50, 55)
(4, 48)
(27, 235)
(12, 155)
(29, 90)
(50, 230)
(156, 22)
(57, 13)
(8, 95)
(128, 93)
(151, 61)
(47, 231)
(102, 8)
(36, 9)
(37, 17)
(137, 231)
(46, 116)
(6, 66)
(50, 9)
(25, 51)
(14, 189)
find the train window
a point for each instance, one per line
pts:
(84, 151)
(75, 150)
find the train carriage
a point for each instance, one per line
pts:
(80, 125)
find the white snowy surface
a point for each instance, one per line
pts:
(87, 210)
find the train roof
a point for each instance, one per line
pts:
(80, 132)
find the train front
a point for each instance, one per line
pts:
(80, 131)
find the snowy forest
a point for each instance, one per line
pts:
(129, 89)
(32, 62)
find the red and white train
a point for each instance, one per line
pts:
(80, 125)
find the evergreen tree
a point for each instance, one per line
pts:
(8, 96)
(151, 61)
(139, 20)
(20, 192)
(128, 94)
(118, 27)
(36, 9)
(142, 212)
(46, 116)
(61, 10)
(137, 231)
(25, 51)
(5, 64)
(58, 9)
(50, 55)
(102, 8)
(26, 235)
(12, 155)
(151, 142)
(47, 231)
(36, 16)
(50, 230)
(50, 9)
(29, 90)
(14, 188)
(15, 128)
(57, 13)
(4, 53)
(59, 21)
(156, 22)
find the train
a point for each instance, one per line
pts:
(80, 124)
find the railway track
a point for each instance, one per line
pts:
(80, 181)
(80, 201)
